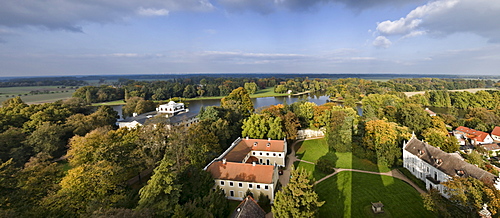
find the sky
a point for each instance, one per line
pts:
(112, 37)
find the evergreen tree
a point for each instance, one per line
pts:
(298, 198)
(161, 193)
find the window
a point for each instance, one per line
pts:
(267, 154)
(231, 193)
(260, 160)
(274, 154)
(266, 187)
(250, 185)
(258, 186)
(240, 185)
(253, 153)
(222, 183)
(231, 184)
(279, 155)
(260, 153)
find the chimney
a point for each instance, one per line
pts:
(268, 139)
(134, 114)
(253, 163)
(224, 161)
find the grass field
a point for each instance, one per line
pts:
(54, 93)
(312, 150)
(349, 194)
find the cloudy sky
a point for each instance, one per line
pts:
(70, 37)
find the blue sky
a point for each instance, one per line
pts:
(67, 37)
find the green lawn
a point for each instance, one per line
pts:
(315, 174)
(267, 92)
(110, 103)
(349, 194)
(312, 150)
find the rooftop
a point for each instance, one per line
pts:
(496, 131)
(244, 146)
(446, 162)
(248, 208)
(242, 172)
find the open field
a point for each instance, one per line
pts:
(409, 94)
(46, 93)
(312, 150)
(349, 194)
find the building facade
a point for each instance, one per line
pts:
(249, 164)
(434, 166)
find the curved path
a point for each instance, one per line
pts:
(394, 173)
(285, 178)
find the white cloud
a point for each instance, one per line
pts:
(382, 42)
(70, 14)
(446, 17)
(152, 12)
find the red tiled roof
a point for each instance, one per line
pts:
(496, 131)
(265, 145)
(242, 172)
(472, 133)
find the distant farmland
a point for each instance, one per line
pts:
(37, 94)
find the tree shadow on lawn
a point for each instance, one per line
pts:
(349, 194)
(297, 148)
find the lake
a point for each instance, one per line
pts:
(318, 98)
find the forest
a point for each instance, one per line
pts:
(69, 159)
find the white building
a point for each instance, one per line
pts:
(171, 108)
(434, 166)
(495, 134)
(249, 164)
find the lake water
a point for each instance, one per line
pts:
(196, 105)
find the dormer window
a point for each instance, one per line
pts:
(255, 144)
(268, 144)
(460, 173)
(421, 152)
(439, 161)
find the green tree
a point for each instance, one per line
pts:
(298, 198)
(275, 128)
(161, 193)
(255, 126)
(239, 100)
(251, 87)
(414, 117)
(39, 177)
(49, 138)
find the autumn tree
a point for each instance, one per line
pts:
(383, 138)
(438, 138)
(298, 198)
(86, 187)
(470, 194)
